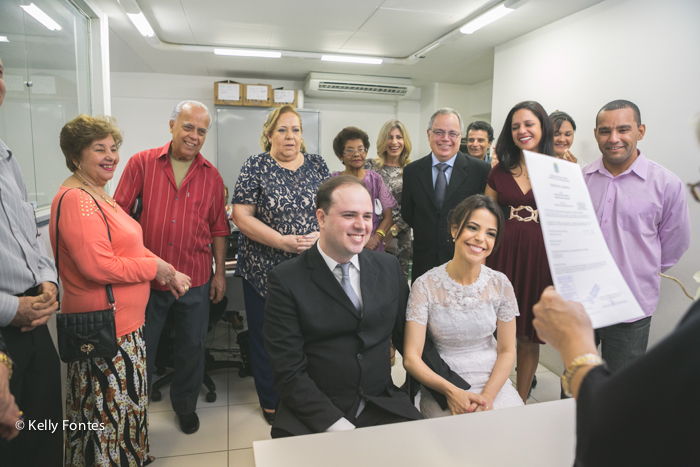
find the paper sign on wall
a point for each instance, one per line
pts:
(229, 92)
(284, 97)
(256, 93)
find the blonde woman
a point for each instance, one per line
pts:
(393, 154)
(274, 206)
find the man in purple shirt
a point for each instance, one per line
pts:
(642, 211)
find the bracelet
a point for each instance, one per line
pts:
(581, 360)
(4, 358)
(380, 232)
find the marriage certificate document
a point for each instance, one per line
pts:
(582, 267)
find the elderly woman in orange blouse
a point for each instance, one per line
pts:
(109, 392)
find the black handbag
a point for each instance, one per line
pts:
(91, 334)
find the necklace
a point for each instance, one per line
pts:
(113, 204)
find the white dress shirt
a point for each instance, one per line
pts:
(448, 171)
(343, 423)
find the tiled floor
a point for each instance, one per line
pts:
(229, 425)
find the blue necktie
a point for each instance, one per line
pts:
(440, 184)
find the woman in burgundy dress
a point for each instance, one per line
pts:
(522, 256)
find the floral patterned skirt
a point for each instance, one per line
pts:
(106, 402)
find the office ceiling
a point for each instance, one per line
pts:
(385, 28)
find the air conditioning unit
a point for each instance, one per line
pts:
(337, 86)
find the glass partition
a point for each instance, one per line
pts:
(47, 82)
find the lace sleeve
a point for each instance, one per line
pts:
(508, 305)
(418, 303)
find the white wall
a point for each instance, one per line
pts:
(645, 51)
(473, 102)
(142, 102)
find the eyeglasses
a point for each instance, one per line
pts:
(190, 128)
(351, 152)
(695, 190)
(442, 133)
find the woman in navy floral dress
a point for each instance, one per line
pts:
(274, 206)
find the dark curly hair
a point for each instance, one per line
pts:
(348, 134)
(508, 152)
(80, 132)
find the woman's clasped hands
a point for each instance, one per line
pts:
(298, 243)
(460, 401)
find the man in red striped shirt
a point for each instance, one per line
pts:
(184, 212)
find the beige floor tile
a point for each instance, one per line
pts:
(246, 424)
(210, 459)
(241, 390)
(167, 439)
(220, 378)
(548, 387)
(241, 458)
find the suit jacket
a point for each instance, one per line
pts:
(325, 355)
(432, 245)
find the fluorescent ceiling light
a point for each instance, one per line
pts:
(248, 53)
(487, 18)
(42, 17)
(141, 24)
(351, 59)
(4, 39)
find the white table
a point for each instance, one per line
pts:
(539, 435)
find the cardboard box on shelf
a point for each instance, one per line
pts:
(228, 93)
(258, 95)
(282, 97)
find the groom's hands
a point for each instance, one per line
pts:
(460, 401)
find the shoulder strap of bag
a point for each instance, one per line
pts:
(108, 287)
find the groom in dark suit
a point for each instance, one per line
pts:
(434, 185)
(330, 317)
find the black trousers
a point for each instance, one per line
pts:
(372, 415)
(36, 385)
(191, 317)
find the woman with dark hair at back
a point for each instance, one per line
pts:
(522, 257)
(564, 128)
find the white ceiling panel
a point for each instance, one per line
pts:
(459, 8)
(168, 20)
(123, 58)
(388, 28)
(305, 40)
(264, 14)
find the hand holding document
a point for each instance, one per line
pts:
(582, 267)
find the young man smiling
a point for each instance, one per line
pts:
(642, 211)
(330, 317)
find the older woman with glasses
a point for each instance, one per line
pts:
(351, 145)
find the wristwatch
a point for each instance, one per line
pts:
(4, 358)
(581, 360)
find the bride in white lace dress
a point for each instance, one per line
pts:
(460, 304)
